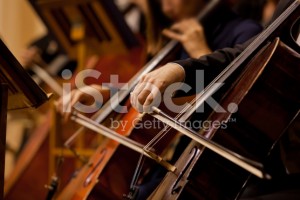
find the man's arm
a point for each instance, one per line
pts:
(213, 63)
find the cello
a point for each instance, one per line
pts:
(267, 95)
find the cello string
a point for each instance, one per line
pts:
(163, 132)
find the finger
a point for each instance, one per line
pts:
(148, 103)
(143, 96)
(146, 97)
(141, 100)
(173, 35)
(153, 99)
(134, 95)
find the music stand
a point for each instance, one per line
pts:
(106, 31)
(17, 91)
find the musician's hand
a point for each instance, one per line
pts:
(154, 84)
(84, 95)
(191, 35)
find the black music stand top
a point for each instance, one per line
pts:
(23, 92)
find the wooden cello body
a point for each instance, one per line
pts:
(267, 95)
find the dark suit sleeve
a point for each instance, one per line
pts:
(212, 64)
